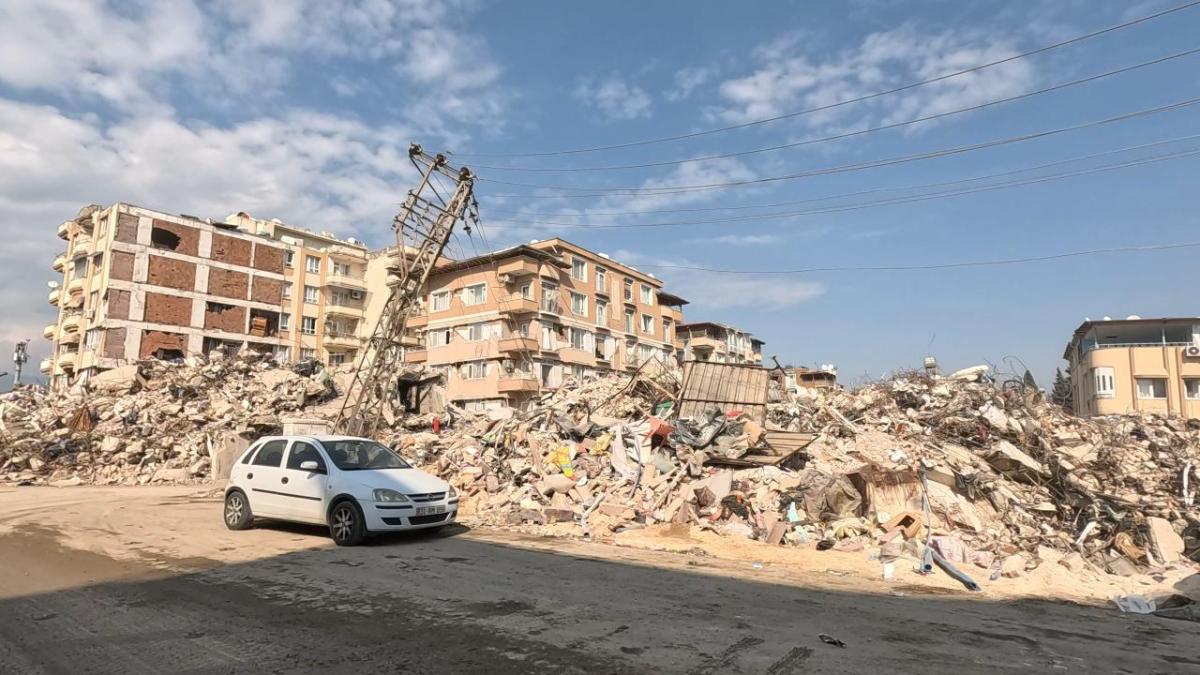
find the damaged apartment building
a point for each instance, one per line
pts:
(504, 326)
(717, 342)
(140, 283)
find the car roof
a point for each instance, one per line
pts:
(319, 439)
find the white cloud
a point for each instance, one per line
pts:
(616, 98)
(687, 80)
(710, 291)
(739, 239)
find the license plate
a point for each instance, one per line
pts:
(430, 510)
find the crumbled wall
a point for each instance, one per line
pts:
(114, 343)
(127, 225)
(171, 273)
(189, 237)
(168, 309)
(228, 318)
(154, 340)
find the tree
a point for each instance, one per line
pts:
(1062, 388)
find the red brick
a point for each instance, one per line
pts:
(268, 258)
(228, 318)
(227, 283)
(170, 309)
(186, 240)
(121, 266)
(171, 273)
(153, 341)
(118, 304)
(230, 250)
(114, 343)
(269, 291)
(127, 226)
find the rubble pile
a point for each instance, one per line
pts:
(155, 421)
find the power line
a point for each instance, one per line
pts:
(852, 134)
(743, 207)
(859, 166)
(938, 266)
(858, 99)
(865, 205)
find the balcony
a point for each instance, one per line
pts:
(66, 360)
(71, 323)
(48, 331)
(46, 365)
(69, 337)
(53, 297)
(347, 253)
(415, 356)
(550, 307)
(518, 267)
(59, 261)
(517, 343)
(343, 281)
(79, 247)
(517, 383)
(75, 286)
(416, 320)
(64, 229)
(350, 311)
(341, 341)
(518, 305)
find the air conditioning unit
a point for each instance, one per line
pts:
(1192, 351)
(357, 295)
(506, 279)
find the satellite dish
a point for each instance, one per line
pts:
(52, 284)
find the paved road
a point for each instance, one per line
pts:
(459, 604)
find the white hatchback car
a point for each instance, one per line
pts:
(354, 485)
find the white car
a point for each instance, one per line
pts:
(354, 485)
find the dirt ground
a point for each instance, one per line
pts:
(116, 580)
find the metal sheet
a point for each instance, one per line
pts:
(724, 386)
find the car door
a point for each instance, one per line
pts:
(263, 477)
(305, 490)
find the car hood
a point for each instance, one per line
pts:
(407, 481)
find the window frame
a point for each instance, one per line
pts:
(467, 292)
(304, 325)
(582, 265)
(647, 294)
(321, 465)
(289, 259)
(601, 311)
(647, 324)
(469, 366)
(433, 301)
(316, 295)
(582, 300)
(1187, 393)
(282, 452)
(312, 264)
(481, 327)
(601, 280)
(1137, 382)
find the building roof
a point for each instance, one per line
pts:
(1089, 324)
(556, 241)
(496, 256)
(713, 324)
(670, 299)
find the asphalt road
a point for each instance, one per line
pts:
(453, 603)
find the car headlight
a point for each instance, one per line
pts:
(383, 495)
(451, 493)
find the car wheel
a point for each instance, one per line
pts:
(237, 511)
(346, 524)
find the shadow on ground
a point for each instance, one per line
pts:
(436, 602)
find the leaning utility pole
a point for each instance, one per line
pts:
(20, 358)
(426, 219)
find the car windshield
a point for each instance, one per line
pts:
(358, 455)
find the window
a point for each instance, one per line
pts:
(647, 295)
(477, 332)
(270, 454)
(310, 294)
(164, 239)
(577, 339)
(601, 280)
(80, 268)
(578, 371)
(312, 264)
(523, 329)
(289, 259)
(527, 290)
(437, 338)
(91, 339)
(304, 452)
(578, 304)
(93, 300)
(645, 353)
(629, 290)
(1191, 386)
(357, 455)
(287, 290)
(285, 322)
(1103, 385)
(601, 312)
(308, 325)
(341, 269)
(666, 329)
(307, 354)
(440, 301)
(549, 298)
(629, 321)
(647, 324)
(578, 269)
(339, 298)
(475, 370)
(1152, 387)
(338, 358)
(475, 294)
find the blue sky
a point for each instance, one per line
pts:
(303, 110)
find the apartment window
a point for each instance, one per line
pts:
(93, 300)
(437, 338)
(601, 280)
(1152, 387)
(1191, 387)
(312, 264)
(80, 268)
(475, 294)
(308, 326)
(523, 329)
(629, 321)
(337, 358)
(440, 301)
(648, 324)
(629, 290)
(1103, 382)
(666, 329)
(647, 295)
(577, 338)
(91, 339)
(475, 370)
(578, 371)
(287, 290)
(307, 354)
(578, 304)
(549, 298)
(477, 332)
(578, 269)
(341, 269)
(527, 290)
(601, 312)
(285, 322)
(289, 259)
(310, 294)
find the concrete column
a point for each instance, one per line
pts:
(202, 275)
(198, 308)
(141, 267)
(143, 231)
(204, 245)
(137, 305)
(133, 343)
(195, 343)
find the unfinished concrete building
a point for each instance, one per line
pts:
(717, 342)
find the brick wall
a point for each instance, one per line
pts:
(121, 266)
(186, 240)
(269, 291)
(228, 318)
(231, 250)
(127, 225)
(114, 343)
(171, 273)
(268, 258)
(153, 341)
(170, 309)
(118, 304)
(227, 284)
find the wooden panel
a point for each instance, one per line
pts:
(724, 386)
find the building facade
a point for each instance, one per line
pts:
(1136, 365)
(708, 341)
(505, 326)
(139, 283)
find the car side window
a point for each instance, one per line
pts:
(250, 452)
(270, 454)
(304, 452)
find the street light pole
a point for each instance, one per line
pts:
(20, 357)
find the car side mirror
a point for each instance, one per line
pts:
(310, 466)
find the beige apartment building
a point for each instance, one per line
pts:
(138, 283)
(709, 341)
(505, 326)
(1136, 365)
